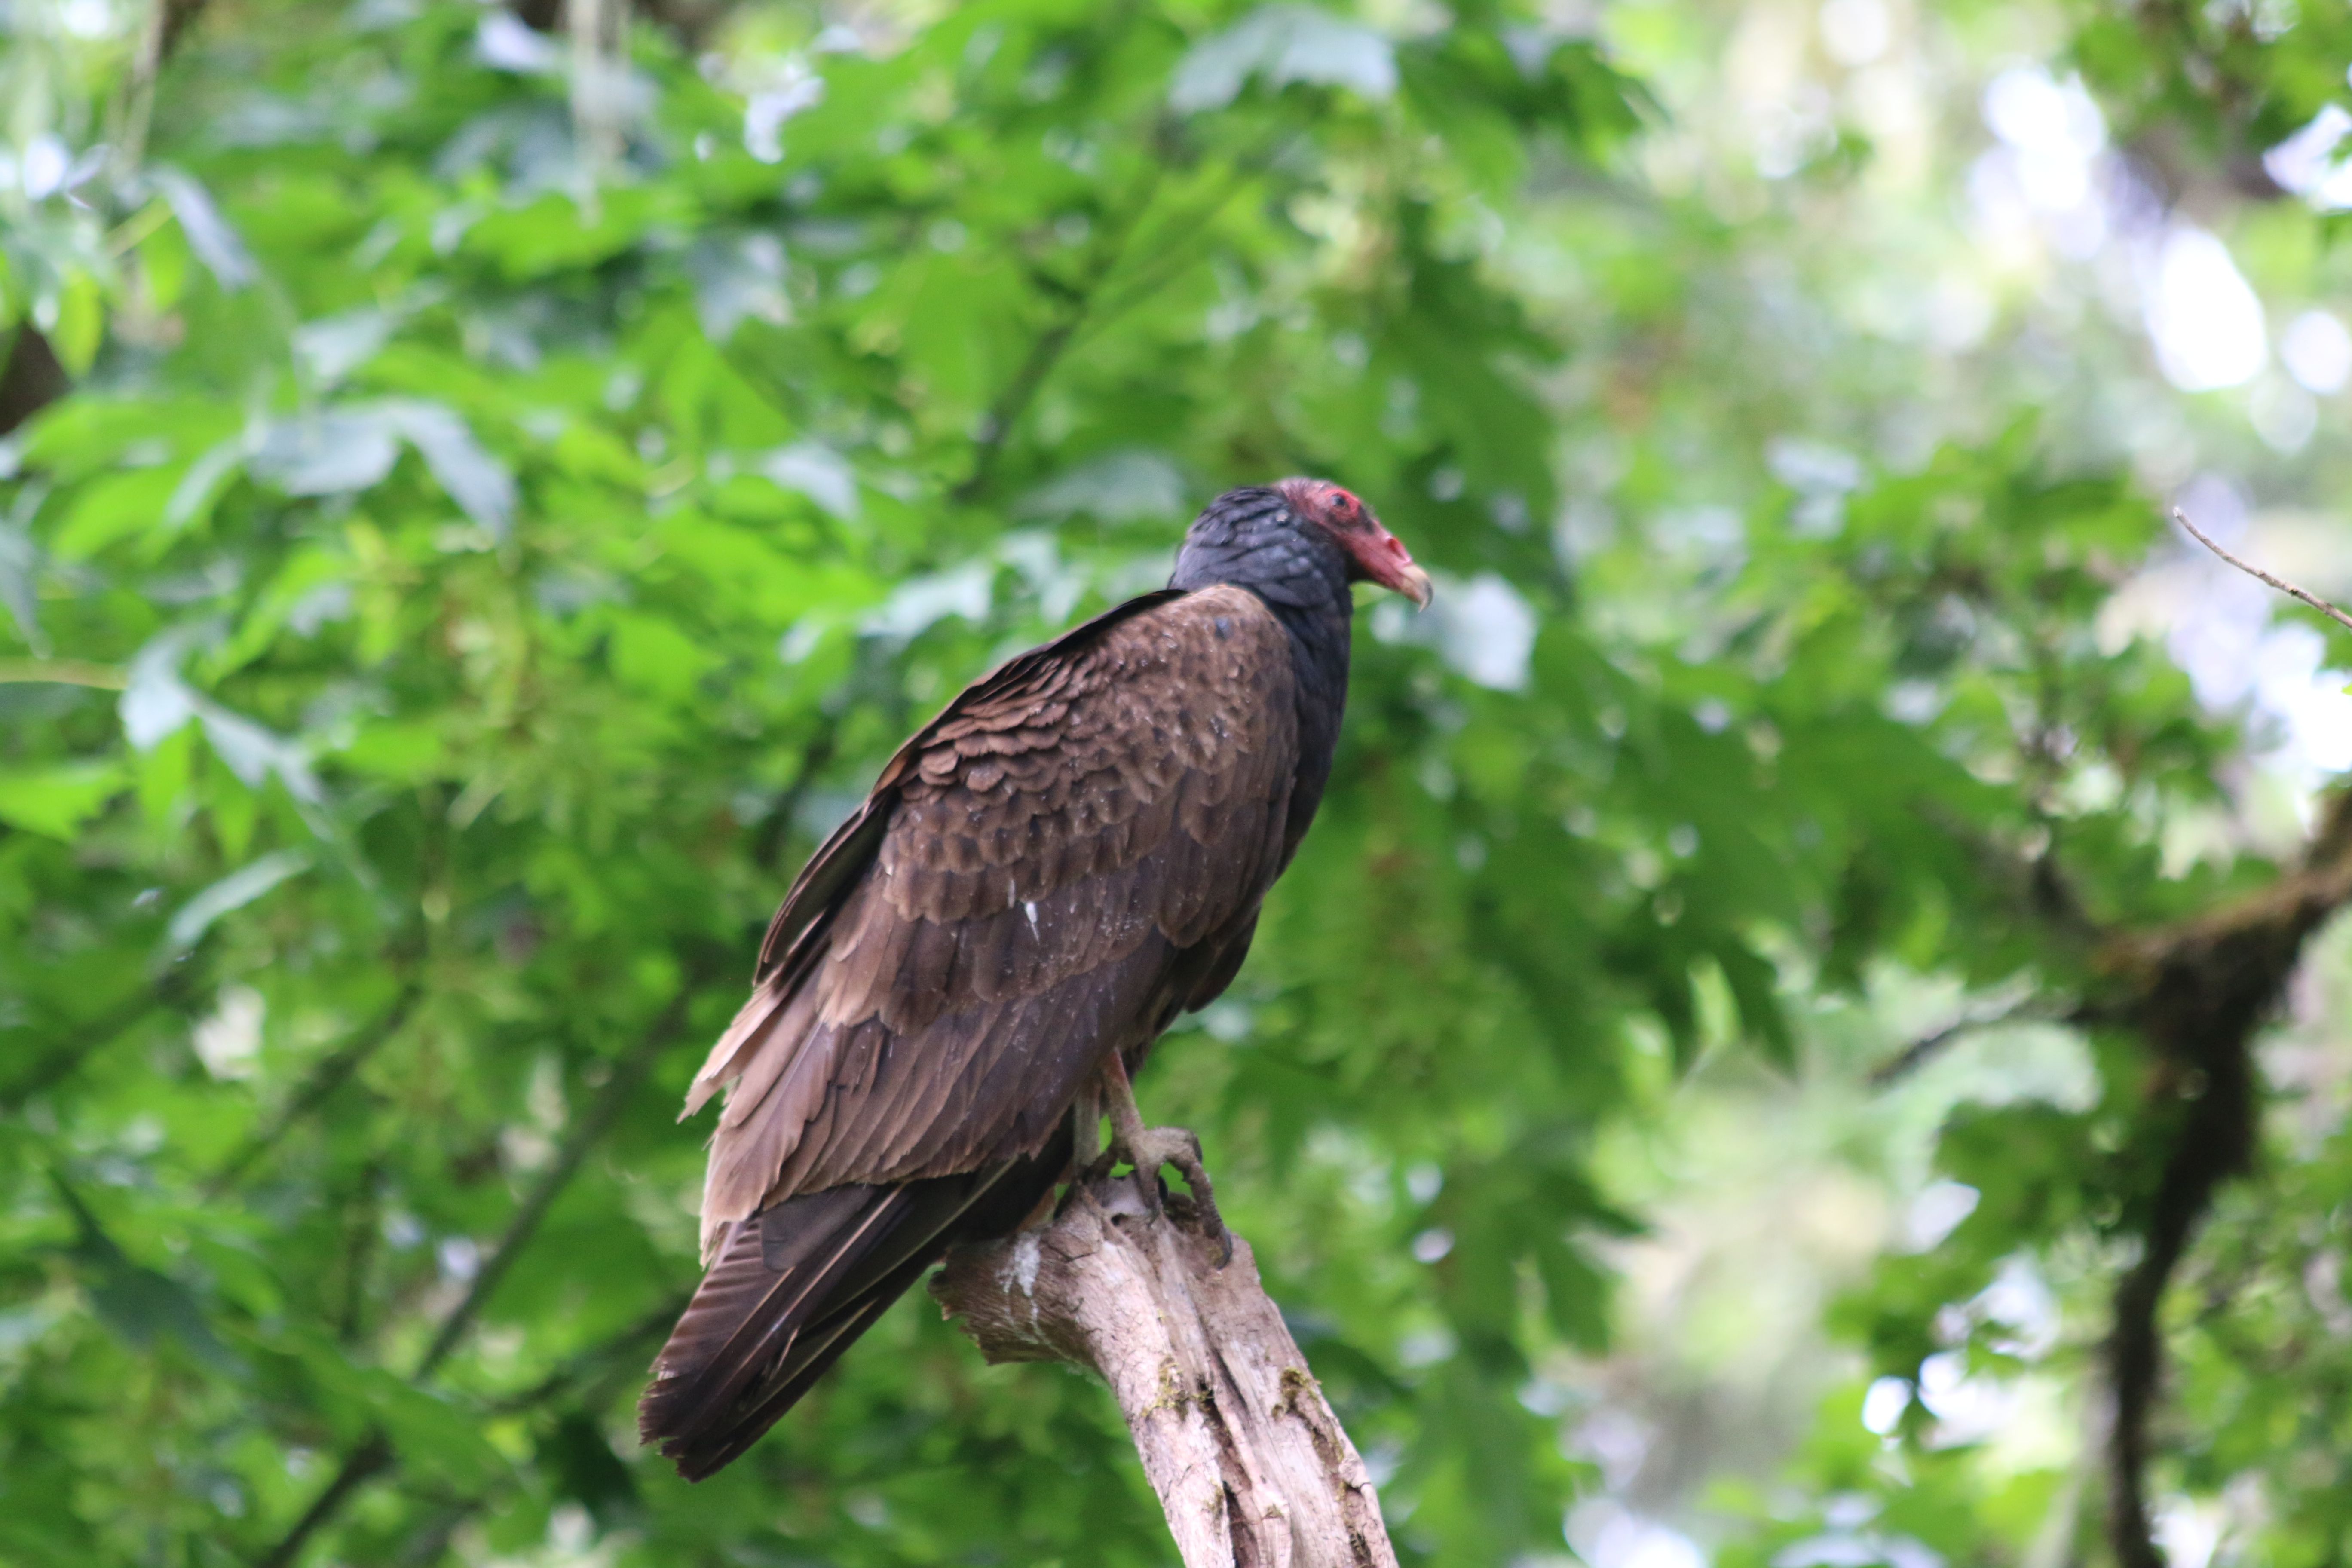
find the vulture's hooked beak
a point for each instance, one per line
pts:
(1379, 556)
(1386, 561)
(1413, 584)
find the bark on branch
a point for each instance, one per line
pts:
(2196, 992)
(1251, 1468)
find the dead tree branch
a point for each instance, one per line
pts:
(1251, 1468)
(2251, 570)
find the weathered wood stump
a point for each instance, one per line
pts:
(1251, 1468)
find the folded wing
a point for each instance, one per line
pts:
(1071, 851)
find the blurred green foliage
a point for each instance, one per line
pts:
(480, 556)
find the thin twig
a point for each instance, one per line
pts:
(330, 1075)
(60, 1063)
(364, 1462)
(2281, 584)
(583, 1363)
(1087, 308)
(136, 107)
(361, 1466)
(627, 1074)
(768, 843)
(432, 1543)
(1193, 232)
(429, 1545)
(595, 1366)
(62, 672)
(996, 425)
(1903, 1063)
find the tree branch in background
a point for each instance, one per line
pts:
(1911, 1058)
(179, 16)
(2281, 584)
(611, 1100)
(331, 1074)
(91, 1037)
(598, 30)
(776, 827)
(62, 672)
(1251, 1465)
(600, 1359)
(603, 1366)
(2196, 992)
(374, 1453)
(373, 1457)
(996, 425)
(167, 25)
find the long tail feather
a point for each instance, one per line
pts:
(793, 1286)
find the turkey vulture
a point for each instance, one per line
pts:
(1071, 854)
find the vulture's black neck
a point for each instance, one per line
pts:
(1254, 539)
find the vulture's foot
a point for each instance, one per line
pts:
(1150, 1148)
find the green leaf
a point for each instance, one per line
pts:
(82, 321)
(57, 800)
(114, 508)
(656, 655)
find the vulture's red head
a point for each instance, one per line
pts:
(1374, 554)
(1296, 544)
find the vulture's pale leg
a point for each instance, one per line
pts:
(1086, 1125)
(1149, 1148)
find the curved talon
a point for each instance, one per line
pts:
(1149, 1148)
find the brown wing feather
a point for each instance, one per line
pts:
(843, 856)
(1076, 846)
(795, 1284)
(1044, 871)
